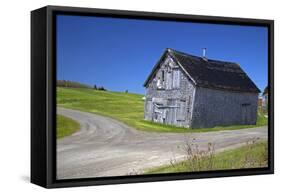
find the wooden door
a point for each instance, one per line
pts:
(246, 113)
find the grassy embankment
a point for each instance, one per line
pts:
(66, 126)
(252, 155)
(125, 107)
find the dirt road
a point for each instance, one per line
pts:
(106, 147)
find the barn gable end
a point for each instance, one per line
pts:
(169, 101)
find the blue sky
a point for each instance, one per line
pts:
(120, 53)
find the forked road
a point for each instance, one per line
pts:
(106, 147)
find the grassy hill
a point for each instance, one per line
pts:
(125, 107)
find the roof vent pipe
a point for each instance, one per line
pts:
(204, 54)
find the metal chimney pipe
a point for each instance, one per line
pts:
(204, 52)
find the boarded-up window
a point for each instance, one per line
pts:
(181, 110)
(176, 78)
(163, 76)
(169, 81)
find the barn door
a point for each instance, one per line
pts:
(159, 114)
(181, 114)
(246, 113)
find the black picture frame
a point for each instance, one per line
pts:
(43, 95)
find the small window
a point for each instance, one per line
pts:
(158, 83)
(176, 78)
(163, 76)
(245, 104)
(169, 81)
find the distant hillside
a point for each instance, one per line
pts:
(73, 84)
(122, 106)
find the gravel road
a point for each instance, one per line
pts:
(106, 147)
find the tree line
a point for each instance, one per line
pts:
(73, 84)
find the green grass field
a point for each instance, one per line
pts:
(253, 155)
(125, 107)
(66, 126)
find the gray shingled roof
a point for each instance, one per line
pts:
(211, 73)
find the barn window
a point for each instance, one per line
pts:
(158, 83)
(169, 81)
(176, 78)
(245, 104)
(161, 80)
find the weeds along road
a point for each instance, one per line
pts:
(106, 147)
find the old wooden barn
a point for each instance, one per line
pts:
(191, 91)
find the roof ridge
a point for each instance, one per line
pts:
(215, 74)
(201, 58)
(182, 53)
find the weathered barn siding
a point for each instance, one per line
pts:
(221, 108)
(190, 91)
(171, 104)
